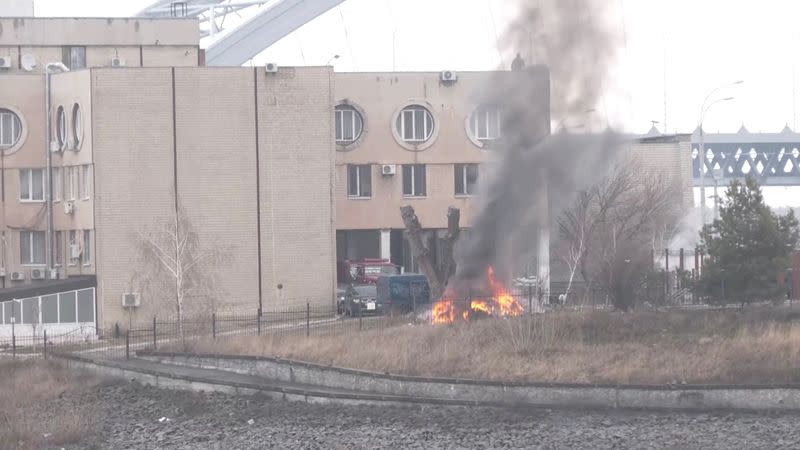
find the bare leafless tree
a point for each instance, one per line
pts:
(176, 261)
(612, 229)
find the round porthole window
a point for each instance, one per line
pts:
(10, 129)
(61, 127)
(77, 126)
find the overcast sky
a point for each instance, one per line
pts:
(704, 43)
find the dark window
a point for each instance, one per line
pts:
(86, 305)
(414, 124)
(466, 178)
(359, 180)
(50, 308)
(414, 180)
(31, 247)
(66, 305)
(74, 57)
(485, 122)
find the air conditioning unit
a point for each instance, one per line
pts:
(449, 75)
(37, 274)
(388, 169)
(117, 62)
(54, 274)
(2, 272)
(74, 251)
(54, 147)
(5, 62)
(17, 276)
(69, 207)
(271, 68)
(130, 300)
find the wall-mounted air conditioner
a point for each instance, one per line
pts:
(54, 274)
(117, 62)
(54, 147)
(5, 62)
(74, 251)
(131, 300)
(37, 274)
(69, 207)
(271, 68)
(388, 169)
(17, 276)
(449, 75)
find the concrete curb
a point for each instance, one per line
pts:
(669, 397)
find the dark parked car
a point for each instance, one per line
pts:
(401, 293)
(360, 299)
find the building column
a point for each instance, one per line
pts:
(543, 260)
(386, 244)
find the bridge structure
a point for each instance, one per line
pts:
(772, 158)
(268, 22)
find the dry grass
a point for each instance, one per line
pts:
(27, 418)
(751, 346)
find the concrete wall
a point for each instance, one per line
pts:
(220, 163)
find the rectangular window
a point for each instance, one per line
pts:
(86, 305)
(58, 244)
(31, 185)
(87, 247)
(86, 180)
(74, 57)
(73, 182)
(58, 185)
(414, 180)
(50, 308)
(466, 179)
(359, 180)
(31, 247)
(67, 310)
(73, 248)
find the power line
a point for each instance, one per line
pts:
(347, 38)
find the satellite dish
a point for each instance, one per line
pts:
(28, 62)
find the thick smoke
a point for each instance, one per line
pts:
(568, 48)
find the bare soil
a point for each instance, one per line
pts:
(730, 346)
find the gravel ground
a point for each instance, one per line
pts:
(127, 416)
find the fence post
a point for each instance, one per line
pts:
(360, 315)
(128, 344)
(13, 338)
(154, 332)
(530, 299)
(308, 319)
(214, 325)
(116, 330)
(44, 338)
(258, 321)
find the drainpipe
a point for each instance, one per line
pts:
(49, 260)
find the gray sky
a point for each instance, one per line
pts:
(705, 43)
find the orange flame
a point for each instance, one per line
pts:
(501, 304)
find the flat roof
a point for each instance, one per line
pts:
(46, 287)
(109, 31)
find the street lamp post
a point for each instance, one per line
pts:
(702, 150)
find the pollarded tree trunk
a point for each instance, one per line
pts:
(437, 276)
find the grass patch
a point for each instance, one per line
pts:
(760, 345)
(27, 417)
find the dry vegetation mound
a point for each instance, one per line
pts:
(711, 346)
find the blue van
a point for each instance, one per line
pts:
(400, 293)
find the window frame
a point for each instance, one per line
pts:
(30, 198)
(476, 121)
(86, 257)
(58, 184)
(357, 118)
(428, 124)
(58, 249)
(17, 127)
(29, 235)
(77, 126)
(463, 173)
(360, 178)
(411, 175)
(68, 55)
(84, 184)
(72, 239)
(73, 182)
(60, 123)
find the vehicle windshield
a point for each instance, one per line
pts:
(380, 270)
(365, 291)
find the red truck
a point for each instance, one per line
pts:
(365, 271)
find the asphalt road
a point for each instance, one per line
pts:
(142, 417)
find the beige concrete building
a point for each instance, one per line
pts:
(138, 132)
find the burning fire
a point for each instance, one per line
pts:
(502, 303)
